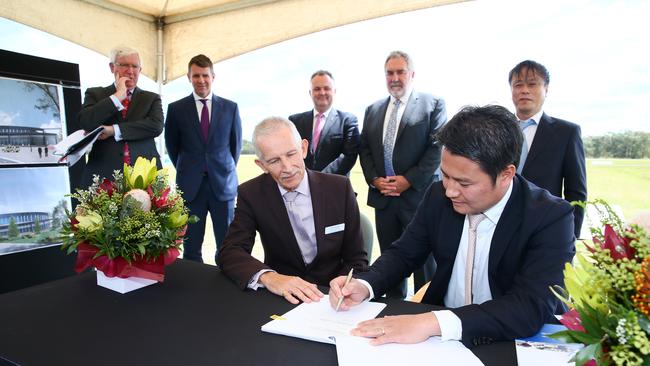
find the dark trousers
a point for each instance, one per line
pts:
(391, 221)
(221, 212)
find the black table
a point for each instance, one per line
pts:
(196, 317)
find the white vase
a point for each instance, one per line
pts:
(122, 285)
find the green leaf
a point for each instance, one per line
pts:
(644, 323)
(139, 182)
(565, 336)
(141, 248)
(586, 354)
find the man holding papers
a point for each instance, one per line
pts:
(499, 243)
(131, 117)
(308, 221)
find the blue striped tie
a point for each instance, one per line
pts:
(524, 148)
(389, 140)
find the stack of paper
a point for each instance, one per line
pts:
(76, 145)
(317, 321)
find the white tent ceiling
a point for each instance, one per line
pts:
(167, 33)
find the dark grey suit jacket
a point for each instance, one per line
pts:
(260, 208)
(556, 162)
(192, 156)
(531, 244)
(415, 155)
(338, 146)
(143, 122)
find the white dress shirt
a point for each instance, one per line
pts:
(450, 324)
(529, 133)
(400, 112)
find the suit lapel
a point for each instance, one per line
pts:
(278, 210)
(214, 117)
(543, 135)
(508, 225)
(329, 122)
(411, 105)
(378, 140)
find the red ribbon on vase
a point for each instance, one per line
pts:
(153, 269)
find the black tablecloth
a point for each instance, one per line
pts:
(195, 317)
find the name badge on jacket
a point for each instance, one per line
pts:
(334, 228)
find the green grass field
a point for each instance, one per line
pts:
(621, 182)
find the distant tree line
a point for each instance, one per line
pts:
(247, 147)
(626, 145)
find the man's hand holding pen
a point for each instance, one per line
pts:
(352, 293)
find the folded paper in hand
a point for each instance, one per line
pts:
(76, 145)
(318, 322)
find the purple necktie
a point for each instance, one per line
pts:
(205, 120)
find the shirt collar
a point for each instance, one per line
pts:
(325, 114)
(303, 187)
(494, 213)
(404, 98)
(536, 117)
(198, 98)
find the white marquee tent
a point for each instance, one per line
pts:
(167, 33)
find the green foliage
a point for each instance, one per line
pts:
(247, 147)
(13, 228)
(37, 226)
(59, 214)
(628, 145)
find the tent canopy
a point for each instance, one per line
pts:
(167, 33)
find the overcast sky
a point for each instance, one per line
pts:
(594, 50)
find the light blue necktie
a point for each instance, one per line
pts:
(523, 125)
(389, 140)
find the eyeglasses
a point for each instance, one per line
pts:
(128, 66)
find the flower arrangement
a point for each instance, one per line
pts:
(131, 226)
(608, 292)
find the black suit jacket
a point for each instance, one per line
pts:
(191, 155)
(415, 156)
(556, 162)
(260, 208)
(143, 122)
(531, 244)
(338, 145)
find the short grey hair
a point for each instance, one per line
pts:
(401, 54)
(270, 125)
(120, 51)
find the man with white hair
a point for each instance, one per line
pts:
(131, 117)
(308, 221)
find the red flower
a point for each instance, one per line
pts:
(161, 202)
(107, 186)
(571, 320)
(73, 223)
(619, 246)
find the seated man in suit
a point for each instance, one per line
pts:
(553, 156)
(131, 117)
(308, 221)
(499, 242)
(333, 135)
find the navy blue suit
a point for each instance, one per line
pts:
(338, 145)
(531, 244)
(205, 171)
(556, 162)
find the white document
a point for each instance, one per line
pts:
(76, 145)
(531, 353)
(318, 322)
(355, 351)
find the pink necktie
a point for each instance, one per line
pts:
(317, 130)
(474, 221)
